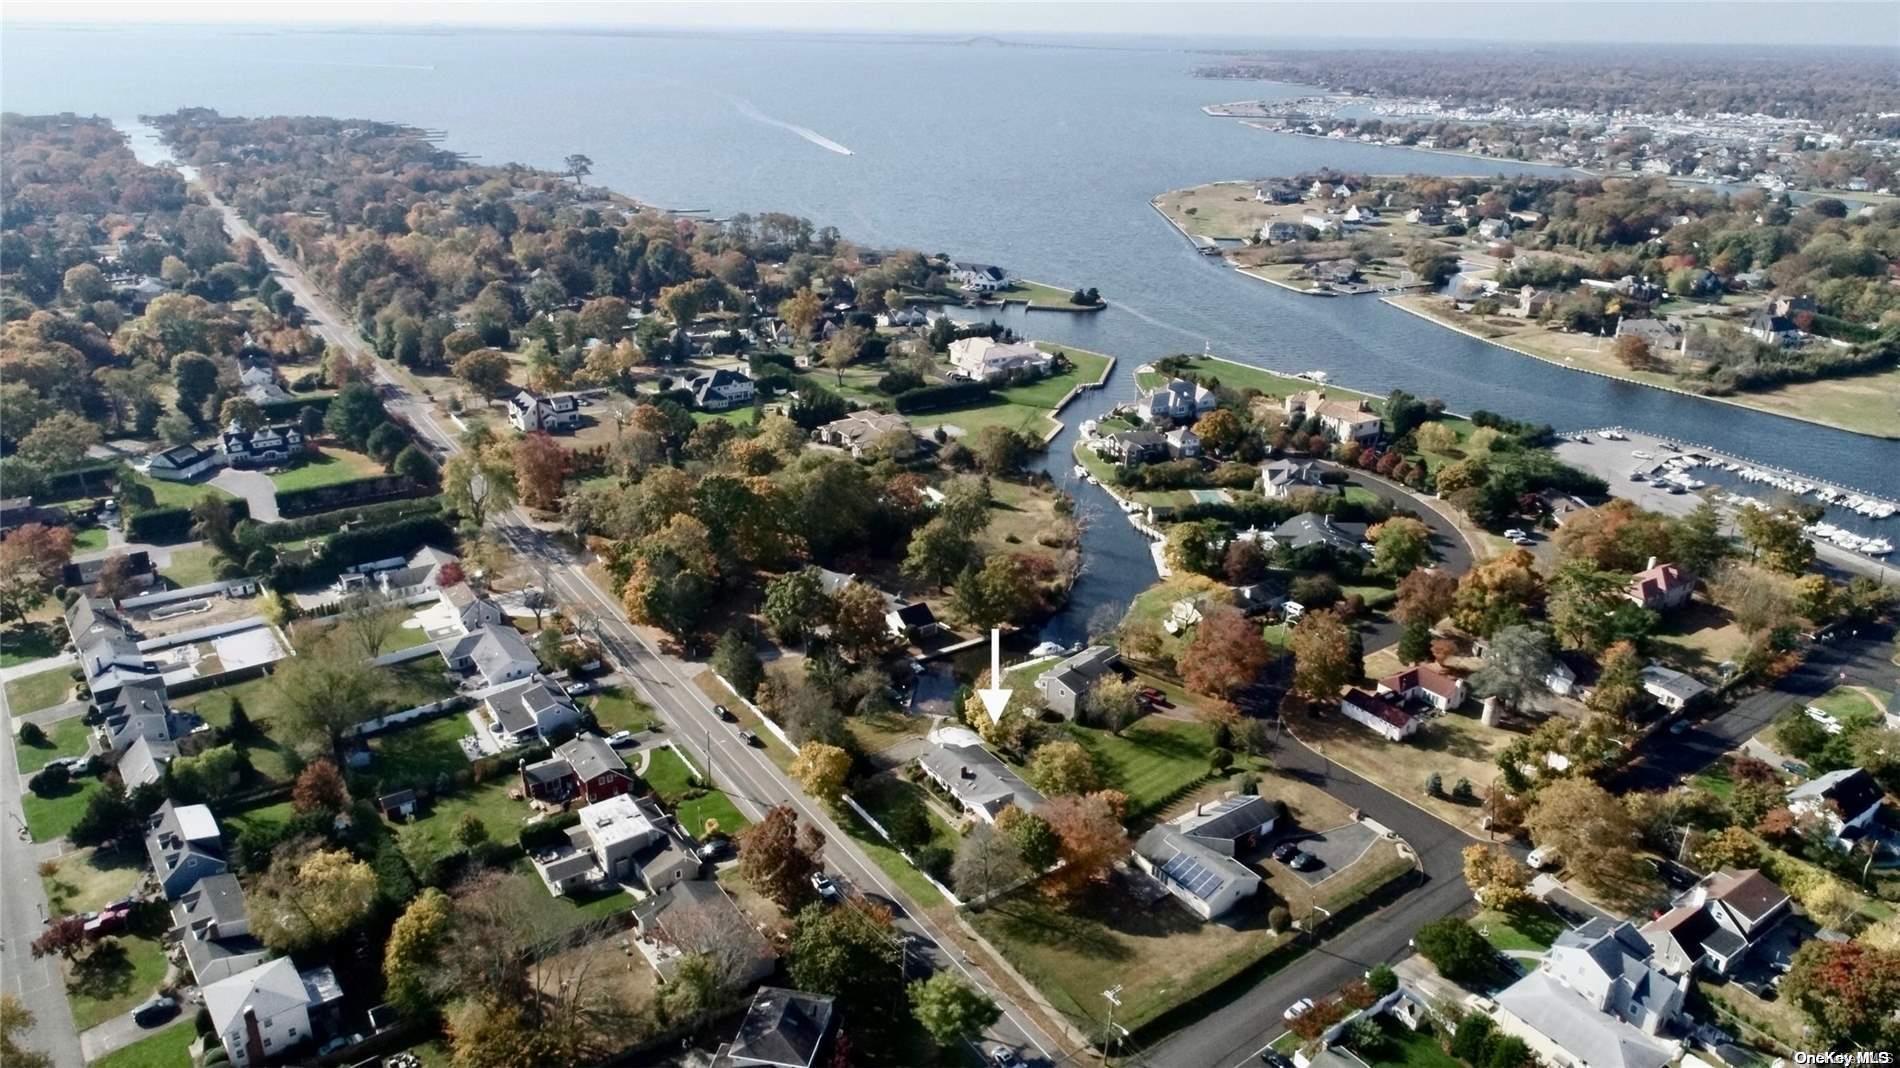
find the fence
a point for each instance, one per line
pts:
(908, 859)
(372, 727)
(209, 589)
(764, 720)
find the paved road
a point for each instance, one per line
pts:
(37, 983)
(1448, 542)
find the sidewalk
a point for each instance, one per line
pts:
(34, 667)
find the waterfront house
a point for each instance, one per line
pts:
(1847, 802)
(1335, 272)
(552, 413)
(982, 359)
(980, 783)
(1277, 193)
(1378, 715)
(1134, 447)
(1179, 400)
(978, 277)
(1661, 336)
(858, 432)
(1341, 420)
(181, 463)
(1310, 528)
(909, 622)
(721, 390)
(1532, 303)
(1183, 443)
(1280, 232)
(1661, 587)
(274, 443)
(1279, 478)
(1065, 686)
(1770, 327)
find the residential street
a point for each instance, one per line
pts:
(37, 983)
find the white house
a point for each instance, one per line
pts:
(1201, 876)
(1280, 232)
(1661, 587)
(1179, 400)
(1425, 682)
(261, 1013)
(911, 621)
(721, 390)
(620, 840)
(553, 413)
(471, 609)
(979, 782)
(1183, 443)
(1378, 715)
(271, 444)
(1279, 478)
(497, 653)
(1341, 420)
(1326, 225)
(979, 277)
(1848, 801)
(983, 359)
(1671, 688)
(531, 708)
(1716, 922)
(181, 463)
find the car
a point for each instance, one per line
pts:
(1514, 534)
(827, 889)
(1523, 540)
(715, 849)
(1274, 1058)
(1641, 455)
(725, 713)
(337, 1043)
(575, 689)
(1004, 1057)
(1304, 861)
(109, 920)
(1680, 726)
(1284, 851)
(154, 1011)
(1543, 857)
(621, 739)
(1795, 767)
(751, 739)
(1638, 476)
(1154, 697)
(1297, 1009)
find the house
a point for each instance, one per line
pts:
(1280, 232)
(1661, 587)
(1179, 400)
(1183, 444)
(1661, 336)
(782, 1029)
(1209, 882)
(912, 621)
(694, 916)
(907, 317)
(585, 766)
(1279, 478)
(1135, 446)
(1716, 922)
(261, 1013)
(1426, 215)
(982, 784)
(1326, 225)
(213, 929)
(982, 359)
(144, 762)
(136, 569)
(185, 845)
(107, 645)
(1277, 193)
(860, 431)
(1232, 825)
(622, 840)
(528, 710)
(19, 511)
(1770, 327)
(1341, 420)
(471, 609)
(420, 573)
(181, 463)
(553, 413)
(1360, 216)
(1065, 686)
(1425, 682)
(1494, 230)
(257, 378)
(1671, 688)
(721, 390)
(1532, 303)
(139, 711)
(1848, 801)
(1609, 966)
(1311, 528)
(1564, 1031)
(497, 653)
(397, 805)
(979, 277)
(274, 443)
(1334, 272)
(1379, 715)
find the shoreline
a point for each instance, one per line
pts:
(1254, 124)
(1729, 400)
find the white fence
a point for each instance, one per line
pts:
(371, 727)
(764, 720)
(886, 835)
(209, 589)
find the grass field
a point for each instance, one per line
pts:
(1023, 408)
(1404, 1048)
(42, 689)
(89, 539)
(1854, 706)
(667, 774)
(52, 817)
(85, 880)
(327, 468)
(23, 645)
(1533, 927)
(890, 861)
(616, 709)
(105, 983)
(1037, 295)
(1152, 761)
(418, 755)
(1455, 746)
(693, 814)
(181, 494)
(166, 1049)
(191, 566)
(489, 802)
(63, 739)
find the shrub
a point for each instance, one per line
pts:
(1278, 918)
(1469, 1043)
(1434, 784)
(1219, 760)
(51, 781)
(1382, 980)
(934, 860)
(948, 395)
(31, 734)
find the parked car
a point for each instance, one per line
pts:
(154, 1011)
(715, 849)
(1680, 726)
(1284, 851)
(1004, 1057)
(575, 689)
(725, 713)
(1297, 1009)
(827, 889)
(1154, 697)
(1303, 861)
(1795, 767)
(110, 920)
(751, 739)
(1275, 1059)
(621, 739)
(1543, 857)
(1514, 533)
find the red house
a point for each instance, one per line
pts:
(586, 767)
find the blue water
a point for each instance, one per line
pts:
(1042, 158)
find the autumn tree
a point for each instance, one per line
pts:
(1226, 654)
(485, 370)
(1500, 592)
(800, 312)
(1584, 825)
(1515, 667)
(841, 350)
(541, 465)
(1776, 538)
(310, 896)
(1619, 687)
(1012, 729)
(1063, 767)
(477, 486)
(777, 856)
(821, 769)
(1400, 545)
(1633, 352)
(851, 953)
(1498, 879)
(1325, 655)
(1730, 847)
(857, 621)
(1112, 703)
(412, 956)
(1090, 840)
(1849, 991)
(320, 787)
(15, 1023)
(30, 559)
(1220, 431)
(64, 937)
(951, 1010)
(795, 604)
(1590, 609)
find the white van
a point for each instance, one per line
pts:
(1542, 857)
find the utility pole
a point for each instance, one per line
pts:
(709, 755)
(1114, 999)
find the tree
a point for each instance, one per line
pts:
(821, 769)
(323, 696)
(987, 862)
(850, 953)
(1033, 836)
(477, 487)
(1220, 430)
(1112, 703)
(242, 412)
(108, 819)
(470, 831)
(1697, 541)
(1382, 980)
(30, 557)
(1585, 826)
(842, 350)
(578, 167)
(209, 775)
(1090, 840)
(1498, 879)
(938, 552)
(485, 370)
(1777, 538)
(354, 414)
(950, 1009)
(412, 956)
(1400, 545)
(1515, 666)
(1324, 661)
(64, 937)
(738, 663)
(1063, 767)
(1244, 562)
(1415, 643)
(1590, 608)
(1226, 654)
(1455, 948)
(1730, 847)
(1498, 593)
(1849, 991)
(541, 466)
(1001, 450)
(1634, 354)
(1619, 681)
(778, 857)
(15, 1023)
(59, 441)
(795, 604)
(195, 378)
(310, 896)
(857, 621)
(800, 311)
(414, 464)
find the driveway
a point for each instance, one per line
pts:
(120, 1032)
(1337, 849)
(255, 487)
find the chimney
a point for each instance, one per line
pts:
(1652, 564)
(964, 772)
(253, 1038)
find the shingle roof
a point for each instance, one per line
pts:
(1192, 865)
(268, 989)
(977, 777)
(1750, 893)
(1374, 705)
(1572, 1024)
(1311, 528)
(1228, 819)
(591, 757)
(1428, 677)
(1852, 789)
(783, 1027)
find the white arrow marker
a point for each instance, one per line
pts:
(996, 696)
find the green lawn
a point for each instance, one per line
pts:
(191, 566)
(740, 416)
(712, 805)
(107, 983)
(63, 739)
(89, 539)
(181, 494)
(616, 709)
(1037, 295)
(23, 645)
(1023, 408)
(1240, 376)
(1850, 705)
(667, 774)
(1715, 779)
(418, 755)
(1533, 927)
(1152, 761)
(84, 880)
(434, 834)
(169, 1048)
(42, 689)
(331, 466)
(1408, 1049)
(53, 817)
(890, 861)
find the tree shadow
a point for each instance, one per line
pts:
(104, 973)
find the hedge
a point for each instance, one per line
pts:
(329, 522)
(342, 494)
(551, 831)
(87, 480)
(291, 410)
(400, 538)
(173, 524)
(948, 395)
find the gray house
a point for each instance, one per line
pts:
(1064, 686)
(214, 930)
(185, 846)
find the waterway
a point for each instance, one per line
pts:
(1041, 156)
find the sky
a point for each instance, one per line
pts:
(1821, 22)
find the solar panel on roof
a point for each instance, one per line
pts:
(1192, 874)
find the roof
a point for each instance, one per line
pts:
(1228, 819)
(519, 705)
(216, 899)
(1574, 1025)
(1287, 472)
(591, 757)
(144, 761)
(1852, 789)
(1311, 528)
(1193, 866)
(1078, 671)
(1750, 893)
(195, 823)
(695, 913)
(864, 427)
(1673, 682)
(1428, 677)
(269, 989)
(617, 819)
(703, 385)
(180, 456)
(1658, 581)
(979, 778)
(783, 1027)
(1621, 954)
(917, 614)
(553, 769)
(1374, 705)
(498, 647)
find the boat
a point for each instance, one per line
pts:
(1081, 472)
